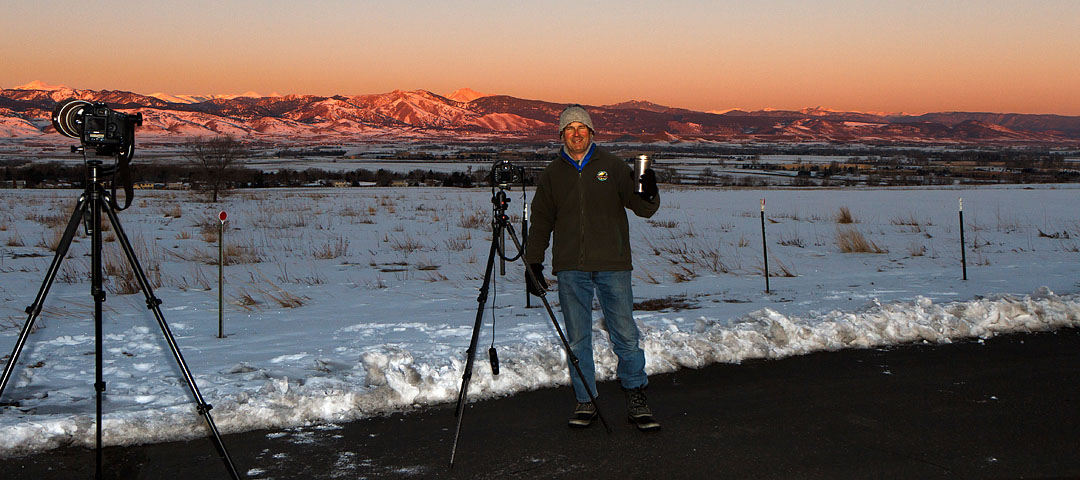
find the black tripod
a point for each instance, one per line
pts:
(502, 224)
(94, 200)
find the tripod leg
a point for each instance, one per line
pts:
(97, 290)
(566, 344)
(470, 354)
(35, 308)
(154, 304)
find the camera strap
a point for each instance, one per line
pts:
(123, 176)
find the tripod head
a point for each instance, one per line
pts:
(504, 175)
(501, 202)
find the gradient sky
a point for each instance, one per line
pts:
(886, 56)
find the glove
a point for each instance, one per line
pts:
(648, 185)
(538, 272)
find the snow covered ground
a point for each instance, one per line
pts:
(346, 303)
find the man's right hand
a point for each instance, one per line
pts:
(538, 273)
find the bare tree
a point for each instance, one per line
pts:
(216, 161)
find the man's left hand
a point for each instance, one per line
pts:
(649, 189)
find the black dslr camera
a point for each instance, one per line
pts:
(504, 173)
(96, 125)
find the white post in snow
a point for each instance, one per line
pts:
(764, 246)
(963, 252)
(221, 274)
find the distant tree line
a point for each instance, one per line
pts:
(36, 175)
(1030, 155)
(216, 165)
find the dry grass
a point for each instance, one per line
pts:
(245, 300)
(274, 293)
(844, 216)
(71, 274)
(432, 277)
(910, 222)
(172, 211)
(681, 274)
(695, 251)
(15, 240)
(791, 240)
(406, 245)
(333, 248)
(359, 214)
(121, 278)
(51, 239)
(198, 278)
(850, 240)
(350, 211)
(474, 221)
(793, 216)
(663, 223)
(281, 219)
(1062, 234)
(241, 252)
(674, 303)
(426, 265)
(1008, 224)
(710, 257)
(49, 220)
(781, 269)
(459, 243)
(285, 299)
(314, 279)
(646, 276)
(377, 284)
(916, 249)
(209, 230)
(236, 253)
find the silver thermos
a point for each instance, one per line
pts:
(640, 165)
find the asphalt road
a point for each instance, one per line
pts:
(1008, 407)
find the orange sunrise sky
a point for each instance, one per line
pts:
(881, 56)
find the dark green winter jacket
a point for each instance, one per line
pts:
(585, 212)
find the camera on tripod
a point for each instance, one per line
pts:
(504, 173)
(96, 125)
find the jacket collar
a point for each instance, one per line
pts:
(584, 160)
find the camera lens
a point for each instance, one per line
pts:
(67, 117)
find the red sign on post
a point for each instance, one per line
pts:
(222, 216)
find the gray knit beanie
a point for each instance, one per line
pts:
(574, 113)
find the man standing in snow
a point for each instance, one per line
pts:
(581, 201)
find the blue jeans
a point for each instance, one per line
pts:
(576, 290)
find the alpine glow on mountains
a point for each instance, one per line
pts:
(850, 55)
(465, 113)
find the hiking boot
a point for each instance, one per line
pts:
(583, 415)
(637, 410)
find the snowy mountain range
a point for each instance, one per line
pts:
(463, 114)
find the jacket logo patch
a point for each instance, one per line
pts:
(602, 175)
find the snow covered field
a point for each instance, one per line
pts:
(345, 303)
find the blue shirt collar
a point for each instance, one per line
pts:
(584, 160)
